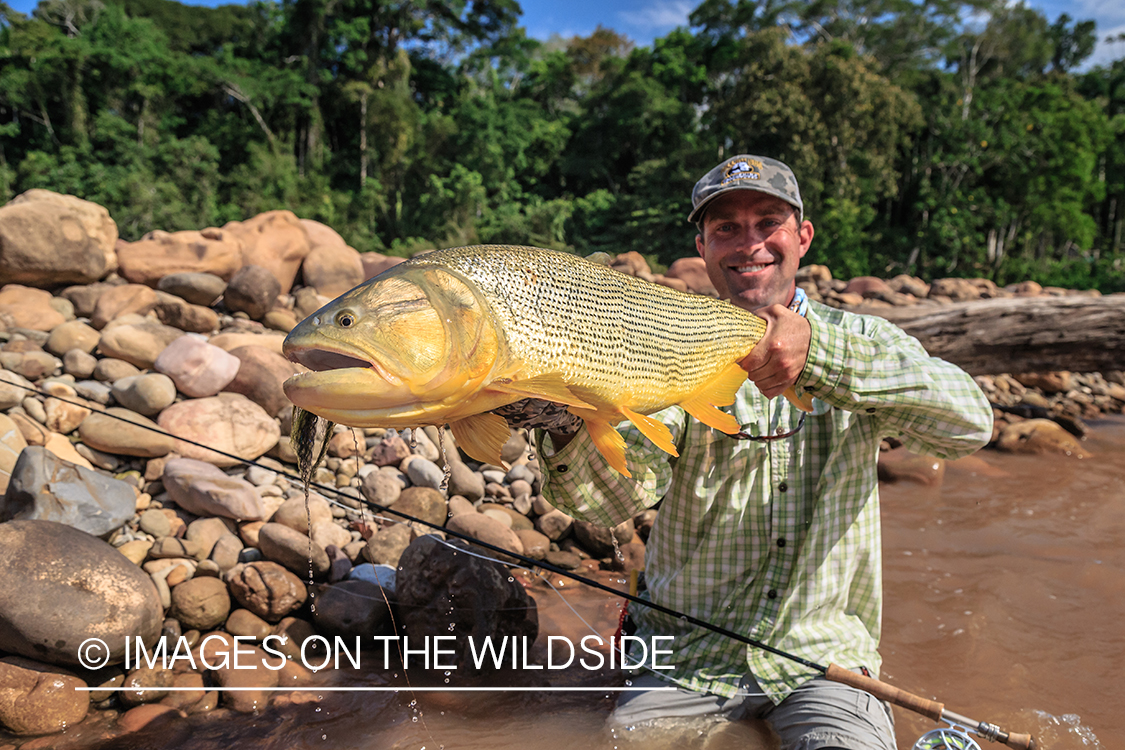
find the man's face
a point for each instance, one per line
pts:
(753, 245)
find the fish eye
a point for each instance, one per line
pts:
(345, 320)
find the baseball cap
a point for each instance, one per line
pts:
(746, 172)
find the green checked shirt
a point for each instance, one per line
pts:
(779, 541)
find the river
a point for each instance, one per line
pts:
(1004, 599)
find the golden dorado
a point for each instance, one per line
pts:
(449, 336)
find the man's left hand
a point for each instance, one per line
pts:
(779, 358)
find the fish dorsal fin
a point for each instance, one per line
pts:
(550, 387)
(653, 429)
(804, 403)
(482, 436)
(609, 443)
(719, 392)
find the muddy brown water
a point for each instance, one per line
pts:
(1004, 599)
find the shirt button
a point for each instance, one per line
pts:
(871, 410)
(562, 468)
(784, 487)
(781, 542)
(771, 594)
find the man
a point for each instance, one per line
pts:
(776, 537)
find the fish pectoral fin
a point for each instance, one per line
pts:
(804, 403)
(653, 429)
(549, 387)
(482, 436)
(719, 392)
(609, 443)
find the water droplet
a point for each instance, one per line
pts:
(414, 718)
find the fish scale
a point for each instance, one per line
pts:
(596, 324)
(454, 334)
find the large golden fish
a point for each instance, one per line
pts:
(449, 336)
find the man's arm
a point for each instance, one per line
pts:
(866, 364)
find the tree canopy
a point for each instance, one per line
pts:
(931, 137)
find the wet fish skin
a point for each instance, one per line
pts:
(449, 336)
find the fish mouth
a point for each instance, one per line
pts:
(319, 360)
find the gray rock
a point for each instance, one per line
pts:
(111, 370)
(353, 608)
(381, 488)
(493, 476)
(79, 364)
(89, 590)
(147, 394)
(386, 546)
(465, 482)
(424, 473)
(441, 590)
(554, 524)
(520, 472)
(196, 288)
(155, 522)
(111, 432)
(203, 489)
(92, 390)
(383, 575)
(252, 290)
(293, 549)
(44, 487)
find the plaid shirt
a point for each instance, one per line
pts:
(778, 540)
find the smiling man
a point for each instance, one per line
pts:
(776, 536)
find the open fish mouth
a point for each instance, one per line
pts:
(319, 360)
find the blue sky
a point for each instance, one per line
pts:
(644, 20)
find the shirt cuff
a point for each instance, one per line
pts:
(828, 349)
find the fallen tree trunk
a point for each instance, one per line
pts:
(1019, 334)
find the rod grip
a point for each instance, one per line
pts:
(1021, 741)
(883, 691)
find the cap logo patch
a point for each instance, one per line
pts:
(742, 169)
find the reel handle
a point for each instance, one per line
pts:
(883, 691)
(1020, 741)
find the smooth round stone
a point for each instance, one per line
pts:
(381, 488)
(203, 489)
(147, 394)
(486, 529)
(293, 549)
(459, 505)
(382, 575)
(73, 335)
(199, 369)
(78, 363)
(386, 546)
(195, 287)
(111, 370)
(425, 473)
(38, 700)
(295, 514)
(520, 472)
(228, 422)
(201, 603)
(493, 476)
(465, 482)
(424, 503)
(156, 523)
(245, 623)
(108, 434)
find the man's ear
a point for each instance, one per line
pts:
(806, 233)
(699, 245)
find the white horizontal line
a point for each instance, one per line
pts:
(380, 689)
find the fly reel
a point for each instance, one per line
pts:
(951, 737)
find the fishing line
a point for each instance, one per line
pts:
(931, 709)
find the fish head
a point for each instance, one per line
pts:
(400, 350)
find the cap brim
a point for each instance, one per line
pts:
(697, 213)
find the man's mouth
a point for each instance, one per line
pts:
(752, 267)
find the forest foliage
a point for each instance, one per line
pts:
(932, 137)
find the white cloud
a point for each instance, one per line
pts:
(662, 15)
(1105, 53)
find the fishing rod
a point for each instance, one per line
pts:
(953, 737)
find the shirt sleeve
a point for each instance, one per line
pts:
(877, 368)
(578, 481)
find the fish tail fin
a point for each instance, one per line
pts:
(804, 403)
(482, 436)
(653, 429)
(718, 392)
(609, 443)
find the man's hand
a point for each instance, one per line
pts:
(779, 358)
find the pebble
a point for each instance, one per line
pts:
(425, 473)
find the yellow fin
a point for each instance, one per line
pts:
(719, 392)
(653, 429)
(804, 403)
(609, 443)
(482, 436)
(550, 387)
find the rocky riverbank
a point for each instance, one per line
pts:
(138, 378)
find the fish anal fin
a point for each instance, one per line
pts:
(482, 436)
(653, 429)
(609, 443)
(804, 403)
(720, 391)
(549, 387)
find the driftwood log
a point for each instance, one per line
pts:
(1019, 334)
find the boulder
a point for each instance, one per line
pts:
(43, 487)
(375, 263)
(120, 301)
(26, 307)
(442, 590)
(1039, 436)
(159, 254)
(229, 422)
(260, 375)
(488, 530)
(354, 608)
(47, 239)
(693, 272)
(274, 240)
(138, 343)
(195, 288)
(111, 432)
(198, 369)
(252, 290)
(203, 489)
(36, 699)
(89, 590)
(332, 269)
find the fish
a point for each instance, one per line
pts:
(448, 336)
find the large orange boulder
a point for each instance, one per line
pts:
(29, 308)
(47, 239)
(159, 254)
(331, 267)
(693, 272)
(275, 240)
